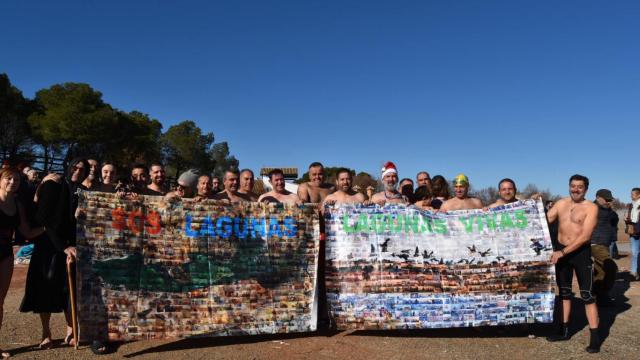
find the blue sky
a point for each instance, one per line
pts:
(532, 90)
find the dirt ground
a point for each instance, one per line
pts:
(620, 326)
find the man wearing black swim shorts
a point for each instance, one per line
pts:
(577, 218)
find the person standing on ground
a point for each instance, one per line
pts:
(12, 218)
(576, 219)
(633, 219)
(605, 269)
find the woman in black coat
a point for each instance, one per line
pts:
(46, 288)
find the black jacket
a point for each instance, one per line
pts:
(606, 230)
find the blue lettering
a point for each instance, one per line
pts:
(245, 229)
(291, 227)
(227, 228)
(274, 227)
(187, 227)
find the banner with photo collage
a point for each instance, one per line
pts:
(148, 269)
(399, 267)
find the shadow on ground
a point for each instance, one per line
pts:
(209, 342)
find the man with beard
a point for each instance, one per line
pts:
(315, 190)
(344, 193)
(389, 181)
(139, 178)
(279, 194)
(507, 191)
(246, 185)
(157, 174)
(215, 185)
(461, 201)
(577, 218)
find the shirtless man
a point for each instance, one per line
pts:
(344, 193)
(246, 185)
(315, 190)
(279, 194)
(507, 191)
(231, 181)
(158, 176)
(390, 194)
(576, 218)
(461, 201)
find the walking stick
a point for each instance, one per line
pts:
(72, 294)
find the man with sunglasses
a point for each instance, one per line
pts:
(603, 235)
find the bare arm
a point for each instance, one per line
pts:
(552, 214)
(477, 203)
(303, 192)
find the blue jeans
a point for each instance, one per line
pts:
(613, 250)
(635, 253)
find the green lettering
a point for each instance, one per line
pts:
(440, 226)
(480, 222)
(491, 221)
(380, 223)
(468, 223)
(411, 224)
(399, 225)
(521, 219)
(345, 225)
(505, 221)
(363, 223)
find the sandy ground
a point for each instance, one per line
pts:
(620, 325)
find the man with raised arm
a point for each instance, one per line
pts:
(507, 192)
(246, 185)
(390, 194)
(315, 190)
(279, 194)
(461, 200)
(576, 218)
(344, 192)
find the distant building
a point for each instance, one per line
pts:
(290, 175)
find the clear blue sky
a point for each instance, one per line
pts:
(533, 90)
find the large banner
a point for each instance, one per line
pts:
(151, 269)
(399, 267)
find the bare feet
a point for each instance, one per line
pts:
(46, 343)
(4, 354)
(69, 340)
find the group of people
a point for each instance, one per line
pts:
(45, 214)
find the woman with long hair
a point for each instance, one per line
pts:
(440, 191)
(46, 289)
(12, 218)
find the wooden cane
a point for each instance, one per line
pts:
(72, 294)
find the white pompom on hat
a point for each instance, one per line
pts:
(388, 168)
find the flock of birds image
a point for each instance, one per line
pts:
(476, 255)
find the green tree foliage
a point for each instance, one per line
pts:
(185, 146)
(15, 136)
(74, 117)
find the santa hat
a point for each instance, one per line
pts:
(388, 168)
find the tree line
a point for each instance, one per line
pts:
(68, 120)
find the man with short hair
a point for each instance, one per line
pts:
(158, 177)
(576, 220)
(423, 179)
(633, 218)
(315, 190)
(461, 200)
(204, 187)
(507, 192)
(246, 185)
(139, 178)
(215, 185)
(279, 194)
(605, 269)
(390, 193)
(344, 193)
(230, 193)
